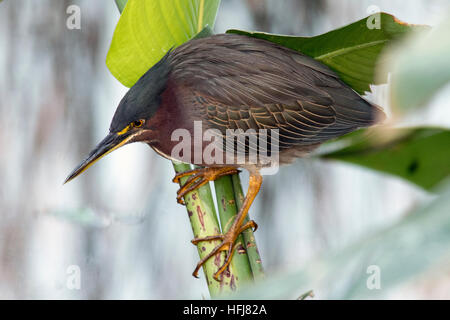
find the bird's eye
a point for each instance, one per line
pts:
(138, 123)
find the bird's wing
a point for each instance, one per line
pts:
(246, 83)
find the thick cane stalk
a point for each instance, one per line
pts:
(203, 218)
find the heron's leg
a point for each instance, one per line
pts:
(229, 238)
(199, 177)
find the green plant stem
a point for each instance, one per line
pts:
(203, 218)
(249, 238)
(227, 210)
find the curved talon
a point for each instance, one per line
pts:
(199, 177)
(188, 187)
(250, 224)
(180, 175)
(228, 244)
(209, 238)
(225, 245)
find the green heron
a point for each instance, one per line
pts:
(241, 83)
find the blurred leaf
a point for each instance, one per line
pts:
(420, 66)
(420, 155)
(410, 247)
(148, 29)
(121, 4)
(351, 51)
(83, 216)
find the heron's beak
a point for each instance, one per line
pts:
(111, 142)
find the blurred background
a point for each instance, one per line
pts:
(119, 224)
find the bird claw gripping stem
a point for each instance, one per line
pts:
(228, 244)
(199, 177)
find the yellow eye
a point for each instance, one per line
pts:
(137, 123)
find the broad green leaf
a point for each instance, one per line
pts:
(83, 216)
(148, 29)
(410, 247)
(420, 67)
(351, 51)
(419, 155)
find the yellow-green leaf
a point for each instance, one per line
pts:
(352, 51)
(148, 29)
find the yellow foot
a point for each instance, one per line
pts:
(199, 177)
(228, 244)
